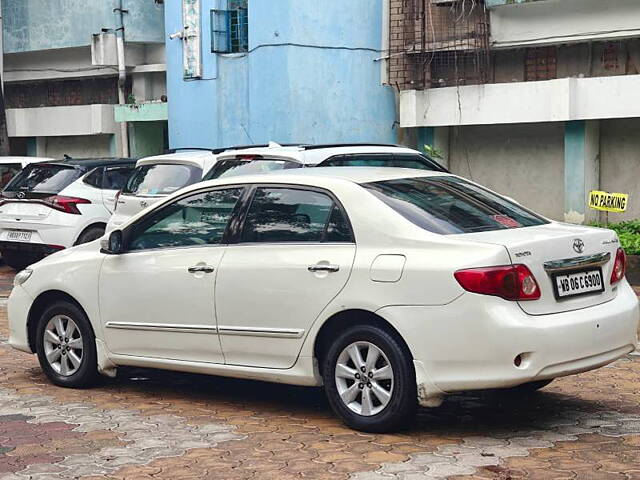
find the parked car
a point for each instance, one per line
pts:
(243, 161)
(390, 287)
(54, 205)
(156, 177)
(11, 166)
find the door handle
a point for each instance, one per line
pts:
(200, 268)
(323, 268)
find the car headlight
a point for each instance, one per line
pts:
(22, 277)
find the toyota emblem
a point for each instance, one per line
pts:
(578, 245)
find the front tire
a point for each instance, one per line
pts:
(370, 380)
(66, 346)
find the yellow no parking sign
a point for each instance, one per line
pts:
(608, 202)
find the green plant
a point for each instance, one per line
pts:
(432, 151)
(628, 233)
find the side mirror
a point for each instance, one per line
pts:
(113, 244)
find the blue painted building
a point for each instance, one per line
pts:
(285, 70)
(61, 77)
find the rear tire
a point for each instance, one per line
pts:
(18, 260)
(90, 234)
(373, 400)
(66, 346)
(529, 387)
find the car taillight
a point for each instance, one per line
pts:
(65, 204)
(619, 266)
(511, 282)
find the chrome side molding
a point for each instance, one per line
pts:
(262, 332)
(162, 327)
(597, 260)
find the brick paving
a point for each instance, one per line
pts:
(149, 424)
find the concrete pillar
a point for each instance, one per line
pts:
(438, 138)
(581, 169)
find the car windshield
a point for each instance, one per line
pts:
(403, 160)
(161, 179)
(233, 167)
(449, 205)
(44, 178)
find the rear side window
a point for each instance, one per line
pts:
(44, 178)
(404, 160)
(161, 179)
(7, 172)
(233, 167)
(449, 205)
(94, 178)
(115, 178)
(292, 215)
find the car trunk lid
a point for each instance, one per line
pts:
(554, 253)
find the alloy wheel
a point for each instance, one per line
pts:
(364, 378)
(63, 345)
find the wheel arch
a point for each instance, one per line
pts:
(40, 304)
(100, 224)
(339, 321)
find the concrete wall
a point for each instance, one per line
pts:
(76, 146)
(620, 162)
(554, 21)
(45, 24)
(285, 93)
(524, 161)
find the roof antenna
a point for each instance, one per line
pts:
(67, 157)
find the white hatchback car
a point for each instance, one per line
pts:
(392, 287)
(54, 205)
(274, 157)
(156, 177)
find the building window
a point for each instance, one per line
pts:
(230, 28)
(541, 64)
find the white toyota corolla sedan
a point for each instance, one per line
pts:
(390, 287)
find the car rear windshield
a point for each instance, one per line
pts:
(44, 178)
(400, 160)
(449, 205)
(161, 179)
(233, 167)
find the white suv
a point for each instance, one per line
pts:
(50, 206)
(276, 157)
(156, 177)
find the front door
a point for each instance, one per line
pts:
(294, 255)
(157, 298)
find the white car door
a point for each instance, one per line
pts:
(113, 180)
(157, 298)
(293, 256)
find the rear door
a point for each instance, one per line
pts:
(293, 256)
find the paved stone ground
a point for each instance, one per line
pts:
(148, 424)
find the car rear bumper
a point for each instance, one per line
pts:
(473, 342)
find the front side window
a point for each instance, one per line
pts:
(230, 28)
(161, 179)
(233, 167)
(293, 215)
(402, 160)
(196, 220)
(449, 205)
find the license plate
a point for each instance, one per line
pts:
(578, 283)
(19, 235)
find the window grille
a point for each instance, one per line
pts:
(230, 28)
(541, 64)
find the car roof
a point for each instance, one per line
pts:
(324, 176)
(93, 162)
(315, 154)
(199, 158)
